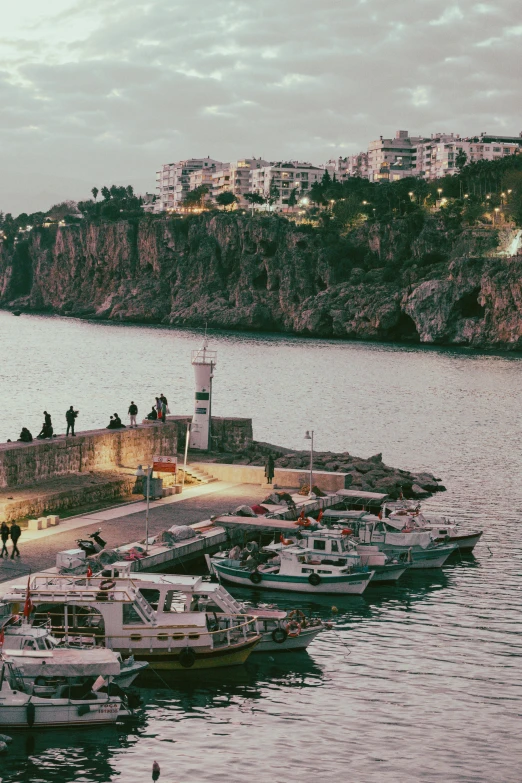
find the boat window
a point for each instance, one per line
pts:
(29, 644)
(131, 616)
(320, 545)
(322, 571)
(307, 570)
(151, 595)
(41, 644)
(175, 601)
(335, 547)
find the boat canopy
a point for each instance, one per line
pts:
(256, 523)
(332, 514)
(65, 662)
(358, 496)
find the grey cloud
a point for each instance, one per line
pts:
(162, 80)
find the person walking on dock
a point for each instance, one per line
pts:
(70, 417)
(4, 535)
(15, 532)
(133, 412)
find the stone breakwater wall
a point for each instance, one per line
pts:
(23, 464)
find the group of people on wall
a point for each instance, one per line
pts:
(159, 412)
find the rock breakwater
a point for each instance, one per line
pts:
(368, 475)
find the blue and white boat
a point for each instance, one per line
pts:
(294, 567)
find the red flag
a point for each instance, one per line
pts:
(320, 515)
(28, 606)
(2, 637)
(89, 572)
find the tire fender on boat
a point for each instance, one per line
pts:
(30, 712)
(279, 635)
(314, 579)
(255, 577)
(187, 657)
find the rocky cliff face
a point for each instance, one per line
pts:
(407, 280)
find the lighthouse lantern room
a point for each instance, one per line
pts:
(203, 362)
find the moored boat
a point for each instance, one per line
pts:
(148, 620)
(295, 567)
(48, 688)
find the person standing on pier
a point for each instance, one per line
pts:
(133, 412)
(164, 409)
(269, 469)
(70, 417)
(15, 532)
(158, 407)
(4, 535)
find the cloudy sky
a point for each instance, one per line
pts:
(105, 91)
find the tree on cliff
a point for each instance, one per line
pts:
(253, 199)
(106, 193)
(95, 192)
(196, 197)
(225, 200)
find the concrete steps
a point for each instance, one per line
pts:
(201, 476)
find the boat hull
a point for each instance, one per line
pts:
(424, 558)
(388, 573)
(205, 657)
(60, 713)
(300, 642)
(465, 542)
(350, 584)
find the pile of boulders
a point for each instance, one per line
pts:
(369, 475)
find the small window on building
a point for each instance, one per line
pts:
(320, 545)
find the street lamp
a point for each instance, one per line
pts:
(497, 210)
(309, 435)
(140, 473)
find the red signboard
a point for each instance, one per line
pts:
(165, 464)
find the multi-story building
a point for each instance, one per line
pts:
(235, 178)
(200, 177)
(280, 179)
(351, 166)
(438, 157)
(174, 181)
(400, 151)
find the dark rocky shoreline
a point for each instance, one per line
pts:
(401, 281)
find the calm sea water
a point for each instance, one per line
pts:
(416, 683)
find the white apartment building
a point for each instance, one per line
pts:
(437, 157)
(399, 152)
(283, 178)
(235, 178)
(351, 166)
(174, 181)
(200, 177)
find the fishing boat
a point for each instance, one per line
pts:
(442, 529)
(48, 688)
(337, 544)
(392, 537)
(143, 619)
(19, 634)
(294, 567)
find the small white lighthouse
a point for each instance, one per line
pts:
(203, 362)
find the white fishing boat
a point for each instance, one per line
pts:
(441, 528)
(19, 635)
(392, 537)
(295, 567)
(48, 688)
(141, 618)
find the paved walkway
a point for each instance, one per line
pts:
(126, 524)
